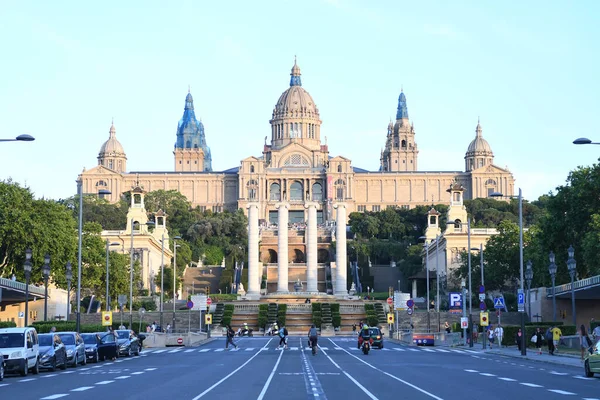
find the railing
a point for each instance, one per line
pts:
(352, 308)
(245, 308)
(20, 286)
(484, 231)
(299, 307)
(582, 283)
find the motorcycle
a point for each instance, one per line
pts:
(366, 346)
(244, 332)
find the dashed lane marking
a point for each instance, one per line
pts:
(561, 392)
(48, 376)
(54, 396)
(507, 379)
(219, 349)
(486, 374)
(104, 382)
(27, 380)
(4, 384)
(558, 373)
(189, 351)
(82, 389)
(123, 377)
(530, 384)
(150, 369)
(204, 350)
(471, 370)
(175, 351)
(398, 349)
(248, 349)
(159, 351)
(585, 378)
(137, 373)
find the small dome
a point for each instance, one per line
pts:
(295, 101)
(479, 146)
(112, 147)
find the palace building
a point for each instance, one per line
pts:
(297, 167)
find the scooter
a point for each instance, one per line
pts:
(245, 332)
(366, 346)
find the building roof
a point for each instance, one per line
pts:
(295, 101)
(112, 147)
(479, 146)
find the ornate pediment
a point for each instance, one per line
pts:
(490, 169)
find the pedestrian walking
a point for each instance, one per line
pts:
(230, 335)
(556, 336)
(282, 338)
(584, 341)
(519, 339)
(499, 334)
(549, 340)
(539, 338)
(491, 335)
(447, 327)
(353, 329)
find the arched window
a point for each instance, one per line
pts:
(275, 192)
(340, 167)
(317, 192)
(296, 191)
(252, 169)
(101, 184)
(404, 144)
(457, 224)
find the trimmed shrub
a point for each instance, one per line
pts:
(263, 307)
(317, 318)
(262, 317)
(281, 313)
(229, 307)
(335, 308)
(8, 324)
(316, 307)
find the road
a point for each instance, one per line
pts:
(339, 371)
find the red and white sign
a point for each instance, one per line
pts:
(208, 301)
(390, 301)
(464, 322)
(179, 340)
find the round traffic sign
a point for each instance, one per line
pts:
(410, 303)
(409, 311)
(208, 301)
(190, 304)
(179, 340)
(107, 317)
(390, 301)
(482, 306)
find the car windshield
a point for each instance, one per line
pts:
(123, 334)
(374, 331)
(68, 340)
(45, 340)
(109, 338)
(8, 340)
(89, 339)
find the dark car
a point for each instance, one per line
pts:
(107, 346)
(1, 368)
(75, 348)
(129, 344)
(52, 352)
(377, 337)
(90, 340)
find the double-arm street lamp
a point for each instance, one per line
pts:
(46, 274)
(20, 138)
(27, 269)
(552, 270)
(69, 276)
(528, 279)
(572, 266)
(520, 197)
(108, 244)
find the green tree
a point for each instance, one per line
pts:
(95, 209)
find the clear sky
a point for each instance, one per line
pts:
(529, 70)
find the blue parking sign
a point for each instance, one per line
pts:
(521, 298)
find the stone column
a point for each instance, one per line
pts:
(253, 272)
(311, 248)
(282, 248)
(341, 282)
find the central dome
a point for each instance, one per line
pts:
(295, 102)
(112, 147)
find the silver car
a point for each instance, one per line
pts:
(75, 348)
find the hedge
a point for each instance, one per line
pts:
(263, 307)
(227, 314)
(510, 333)
(229, 307)
(316, 307)
(281, 314)
(317, 318)
(335, 308)
(8, 324)
(262, 316)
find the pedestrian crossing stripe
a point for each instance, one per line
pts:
(159, 351)
(250, 349)
(398, 349)
(418, 349)
(236, 349)
(204, 350)
(189, 351)
(219, 349)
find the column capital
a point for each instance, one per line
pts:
(250, 205)
(336, 205)
(309, 204)
(281, 205)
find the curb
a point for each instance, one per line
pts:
(547, 361)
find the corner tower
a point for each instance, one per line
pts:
(400, 153)
(112, 155)
(295, 116)
(191, 152)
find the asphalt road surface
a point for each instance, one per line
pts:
(256, 370)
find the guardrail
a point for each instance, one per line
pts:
(20, 287)
(582, 283)
(440, 338)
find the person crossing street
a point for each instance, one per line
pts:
(283, 334)
(230, 335)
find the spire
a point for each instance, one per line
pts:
(478, 130)
(189, 100)
(112, 132)
(402, 109)
(295, 79)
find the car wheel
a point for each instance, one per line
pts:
(25, 370)
(588, 372)
(129, 353)
(74, 362)
(381, 345)
(36, 368)
(84, 362)
(53, 365)
(1, 371)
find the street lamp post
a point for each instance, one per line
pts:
(46, 273)
(552, 270)
(426, 247)
(437, 279)
(69, 276)
(27, 269)
(572, 266)
(175, 245)
(162, 279)
(528, 279)
(482, 282)
(464, 306)
(131, 259)
(520, 197)
(20, 138)
(584, 141)
(108, 243)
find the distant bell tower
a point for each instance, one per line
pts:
(191, 152)
(400, 153)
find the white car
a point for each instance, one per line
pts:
(20, 350)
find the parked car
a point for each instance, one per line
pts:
(20, 350)
(592, 360)
(377, 337)
(75, 348)
(107, 346)
(91, 340)
(52, 352)
(1, 368)
(129, 344)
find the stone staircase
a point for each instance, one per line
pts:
(298, 322)
(241, 316)
(197, 280)
(348, 319)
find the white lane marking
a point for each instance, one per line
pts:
(414, 349)
(429, 350)
(118, 361)
(471, 370)
(137, 373)
(235, 349)
(104, 382)
(175, 351)
(150, 369)
(324, 348)
(394, 377)
(558, 373)
(486, 374)
(398, 349)
(219, 349)
(269, 379)
(123, 377)
(159, 351)
(585, 378)
(364, 389)
(82, 389)
(293, 348)
(472, 351)
(590, 398)
(443, 351)
(54, 396)
(86, 369)
(71, 372)
(4, 384)
(250, 349)
(507, 379)
(561, 392)
(95, 366)
(27, 380)
(189, 351)
(48, 376)
(529, 384)
(339, 348)
(204, 350)
(351, 348)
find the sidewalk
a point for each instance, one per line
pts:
(573, 360)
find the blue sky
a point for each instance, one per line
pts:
(527, 69)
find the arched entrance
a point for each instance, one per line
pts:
(322, 256)
(297, 256)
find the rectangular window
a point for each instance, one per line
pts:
(375, 208)
(361, 208)
(217, 209)
(405, 206)
(202, 208)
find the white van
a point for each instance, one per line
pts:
(20, 350)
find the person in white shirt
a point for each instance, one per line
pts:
(499, 333)
(596, 332)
